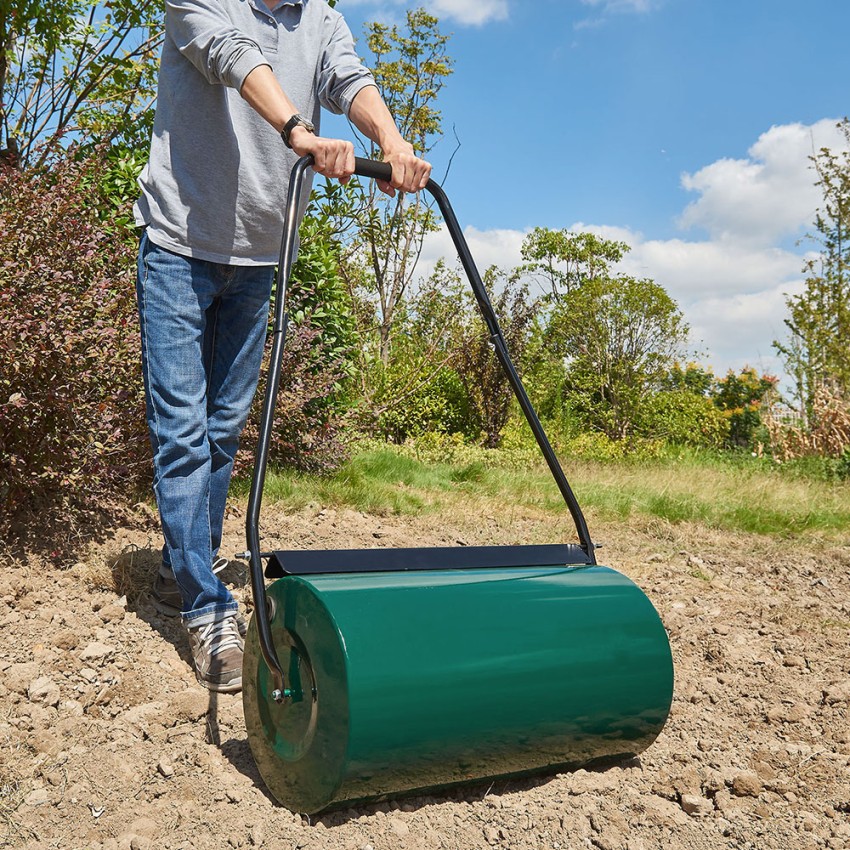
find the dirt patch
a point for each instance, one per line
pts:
(106, 741)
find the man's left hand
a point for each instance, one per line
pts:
(410, 173)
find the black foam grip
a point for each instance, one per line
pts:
(372, 169)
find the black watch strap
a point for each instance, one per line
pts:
(296, 121)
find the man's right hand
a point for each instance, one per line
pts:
(333, 158)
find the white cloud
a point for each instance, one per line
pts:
(488, 247)
(469, 12)
(604, 8)
(622, 5)
(475, 12)
(769, 195)
(733, 285)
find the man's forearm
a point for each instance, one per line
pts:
(370, 115)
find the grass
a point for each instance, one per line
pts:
(718, 492)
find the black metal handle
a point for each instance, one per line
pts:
(376, 171)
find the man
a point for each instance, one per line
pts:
(240, 90)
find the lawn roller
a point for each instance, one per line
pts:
(378, 672)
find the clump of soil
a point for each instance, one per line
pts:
(108, 743)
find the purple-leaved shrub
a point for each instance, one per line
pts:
(73, 440)
(71, 406)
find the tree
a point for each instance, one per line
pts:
(619, 336)
(739, 396)
(819, 320)
(410, 67)
(74, 70)
(475, 361)
(561, 260)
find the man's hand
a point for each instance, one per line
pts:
(331, 157)
(410, 174)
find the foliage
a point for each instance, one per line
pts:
(318, 298)
(619, 337)
(819, 320)
(684, 418)
(410, 65)
(739, 396)
(562, 261)
(71, 407)
(419, 389)
(476, 362)
(692, 377)
(308, 434)
(75, 70)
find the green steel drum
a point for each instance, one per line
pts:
(418, 681)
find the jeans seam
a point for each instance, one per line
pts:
(146, 363)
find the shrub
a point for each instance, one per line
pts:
(685, 418)
(71, 405)
(308, 433)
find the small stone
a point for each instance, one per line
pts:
(491, 834)
(17, 677)
(696, 806)
(256, 835)
(96, 651)
(399, 827)
(43, 690)
(794, 661)
(746, 784)
(165, 769)
(836, 693)
(112, 613)
(66, 639)
(140, 842)
(188, 706)
(37, 797)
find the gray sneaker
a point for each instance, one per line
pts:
(217, 654)
(166, 595)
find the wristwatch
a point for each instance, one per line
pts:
(297, 120)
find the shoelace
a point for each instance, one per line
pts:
(221, 635)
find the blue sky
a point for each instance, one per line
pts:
(681, 126)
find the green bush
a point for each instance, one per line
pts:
(685, 418)
(72, 432)
(409, 405)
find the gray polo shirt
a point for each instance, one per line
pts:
(215, 185)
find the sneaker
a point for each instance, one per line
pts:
(217, 654)
(166, 595)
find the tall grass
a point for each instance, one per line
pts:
(718, 492)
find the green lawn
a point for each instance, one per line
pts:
(727, 494)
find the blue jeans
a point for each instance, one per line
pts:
(203, 328)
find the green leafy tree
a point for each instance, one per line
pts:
(739, 396)
(75, 70)
(819, 317)
(561, 261)
(619, 337)
(419, 390)
(692, 378)
(684, 417)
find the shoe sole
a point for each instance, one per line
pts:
(220, 688)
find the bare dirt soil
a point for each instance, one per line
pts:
(107, 742)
